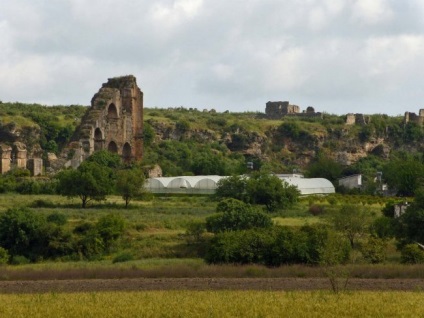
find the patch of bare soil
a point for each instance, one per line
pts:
(145, 284)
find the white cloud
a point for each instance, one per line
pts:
(372, 11)
(238, 54)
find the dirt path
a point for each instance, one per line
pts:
(140, 284)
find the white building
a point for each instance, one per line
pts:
(208, 184)
(351, 182)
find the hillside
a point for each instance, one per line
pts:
(189, 141)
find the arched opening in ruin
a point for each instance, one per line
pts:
(112, 147)
(112, 112)
(86, 147)
(126, 152)
(98, 139)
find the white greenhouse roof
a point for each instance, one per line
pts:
(207, 184)
(311, 185)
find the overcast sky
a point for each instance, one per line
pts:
(339, 56)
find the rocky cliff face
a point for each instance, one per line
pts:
(296, 149)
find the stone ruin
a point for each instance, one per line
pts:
(412, 117)
(277, 110)
(16, 156)
(359, 119)
(114, 122)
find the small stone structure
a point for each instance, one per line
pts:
(359, 119)
(400, 209)
(114, 122)
(351, 182)
(412, 117)
(277, 110)
(15, 156)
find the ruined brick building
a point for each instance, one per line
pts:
(114, 122)
(412, 117)
(277, 110)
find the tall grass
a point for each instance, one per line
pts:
(195, 268)
(214, 304)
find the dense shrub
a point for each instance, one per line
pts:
(412, 254)
(235, 215)
(374, 250)
(242, 247)
(123, 257)
(57, 218)
(279, 245)
(4, 256)
(261, 188)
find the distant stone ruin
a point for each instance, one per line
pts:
(412, 117)
(277, 110)
(15, 156)
(359, 119)
(114, 122)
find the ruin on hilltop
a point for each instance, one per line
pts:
(114, 122)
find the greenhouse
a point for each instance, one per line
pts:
(208, 184)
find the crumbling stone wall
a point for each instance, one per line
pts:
(359, 119)
(412, 117)
(276, 110)
(114, 122)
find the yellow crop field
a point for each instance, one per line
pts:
(214, 304)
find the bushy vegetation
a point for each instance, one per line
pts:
(260, 188)
(28, 236)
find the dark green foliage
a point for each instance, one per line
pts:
(105, 159)
(19, 260)
(412, 254)
(90, 181)
(277, 246)
(129, 184)
(234, 215)
(413, 132)
(182, 126)
(148, 134)
(232, 187)
(405, 174)
(325, 167)
(389, 209)
(410, 225)
(374, 250)
(22, 232)
(271, 191)
(4, 256)
(194, 232)
(123, 257)
(384, 227)
(110, 228)
(352, 221)
(260, 188)
(242, 247)
(57, 218)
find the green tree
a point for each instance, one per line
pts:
(405, 174)
(110, 228)
(89, 182)
(236, 215)
(232, 187)
(352, 221)
(22, 232)
(129, 184)
(325, 167)
(271, 191)
(411, 223)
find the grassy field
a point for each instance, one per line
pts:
(155, 226)
(214, 304)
